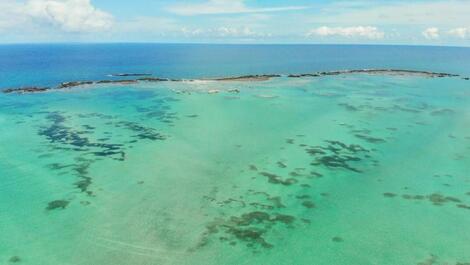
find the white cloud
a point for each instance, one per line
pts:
(431, 33)
(147, 25)
(367, 32)
(408, 13)
(64, 15)
(70, 15)
(460, 32)
(225, 7)
(224, 32)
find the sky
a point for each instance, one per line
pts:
(418, 22)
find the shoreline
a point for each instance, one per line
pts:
(243, 78)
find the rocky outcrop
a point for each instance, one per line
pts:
(129, 81)
(153, 79)
(74, 84)
(246, 78)
(23, 90)
(130, 74)
(376, 71)
(303, 75)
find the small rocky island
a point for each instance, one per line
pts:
(243, 78)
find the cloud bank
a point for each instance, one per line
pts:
(212, 7)
(365, 21)
(367, 32)
(462, 32)
(431, 33)
(224, 32)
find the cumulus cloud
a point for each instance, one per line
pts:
(64, 15)
(460, 32)
(367, 32)
(224, 7)
(431, 33)
(70, 15)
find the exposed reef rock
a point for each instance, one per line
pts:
(376, 71)
(244, 78)
(153, 79)
(303, 75)
(130, 74)
(74, 84)
(23, 90)
(129, 81)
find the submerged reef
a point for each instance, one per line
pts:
(57, 204)
(261, 214)
(87, 144)
(66, 137)
(249, 228)
(440, 112)
(292, 199)
(264, 213)
(14, 259)
(142, 132)
(370, 139)
(275, 179)
(437, 199)
(337, 239)
(338, 155)
(435, 260)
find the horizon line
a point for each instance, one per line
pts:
(229, 43)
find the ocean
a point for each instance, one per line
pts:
(49, 64)
(335, 168)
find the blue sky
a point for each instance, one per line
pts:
(237, 21)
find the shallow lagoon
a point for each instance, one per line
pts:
(349, 169)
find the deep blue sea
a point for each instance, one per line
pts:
(49, 64)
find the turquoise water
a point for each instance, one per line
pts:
(349, 169)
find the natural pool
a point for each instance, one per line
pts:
(344, 169)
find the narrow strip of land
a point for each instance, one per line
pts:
(244, 78)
